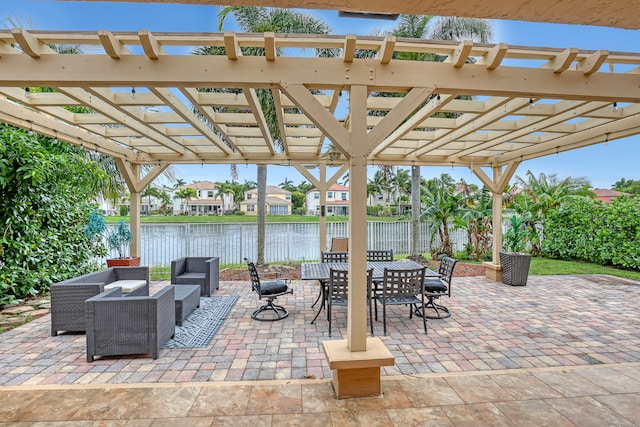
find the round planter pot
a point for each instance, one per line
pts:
(515, 268)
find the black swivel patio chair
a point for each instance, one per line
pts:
(338, 293)
(401, 287)
(271, 290)
(436, 288)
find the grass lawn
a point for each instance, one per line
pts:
(548, 266)
(539, 267)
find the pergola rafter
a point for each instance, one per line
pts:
(155, 105)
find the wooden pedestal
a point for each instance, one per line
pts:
(357, 374)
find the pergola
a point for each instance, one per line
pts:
(150, 102)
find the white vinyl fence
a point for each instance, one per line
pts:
(285, 242)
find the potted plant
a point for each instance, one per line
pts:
(515, 264)
(119, 239)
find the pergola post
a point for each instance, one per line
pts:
(135, 184)
(135, 224)
(356, 361)
(322, 184)
(493, 270)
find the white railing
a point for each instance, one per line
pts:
(284, 242)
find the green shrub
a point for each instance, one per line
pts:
(46, 197)
(586, 230)
(373, 210)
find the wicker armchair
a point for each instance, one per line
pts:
(203, 271)
(68, 297)
(134, 325)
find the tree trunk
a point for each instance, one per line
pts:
(415, 214)
(446, 241)
(262, 211)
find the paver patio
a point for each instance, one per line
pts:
(563, 351)
(553, 321)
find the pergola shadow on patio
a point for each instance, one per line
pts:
(553, 321)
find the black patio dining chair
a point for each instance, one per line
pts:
(334, 256)
(328, 257)
(436, 288)
(401, 287)
(379, 255)
(338, 293)
(271, 290)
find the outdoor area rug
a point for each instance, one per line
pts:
(199, 328)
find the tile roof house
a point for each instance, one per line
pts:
(607, 196)
(278, 201)
(207, 201)
(337, 201)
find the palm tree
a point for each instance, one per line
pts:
(262, 19)
(442, 28)
(376, 185)
(287, 184)
(442, 204)
(186, 194)
(222, 189)
(150, 192)
(403, 185)
(475, 217)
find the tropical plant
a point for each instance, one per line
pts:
(119, 238)
(94, 230)
(541, 193)
(223, 189)
(441, 205)
(476, 219)
(514, 240)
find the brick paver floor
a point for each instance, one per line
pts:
(554, 321)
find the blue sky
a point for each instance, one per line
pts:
(602, 164)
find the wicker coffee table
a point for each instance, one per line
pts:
(187, 299)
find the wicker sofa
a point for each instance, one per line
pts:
(118, 325)
(68, 297)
